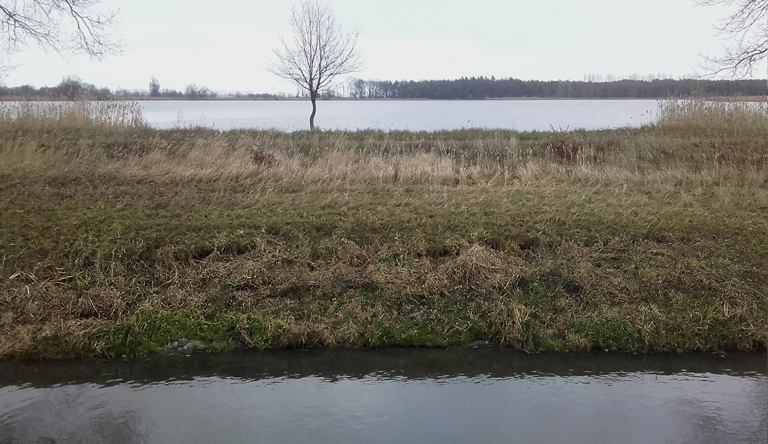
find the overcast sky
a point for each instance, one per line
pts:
(225, 44)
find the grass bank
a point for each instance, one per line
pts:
(117, 239)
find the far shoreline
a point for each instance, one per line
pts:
(349, 99)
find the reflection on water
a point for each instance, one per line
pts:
(397, 395)
(413, 115)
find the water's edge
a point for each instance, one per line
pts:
(494, 362)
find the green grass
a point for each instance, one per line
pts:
(117, 240)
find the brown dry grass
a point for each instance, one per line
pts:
(117, 239)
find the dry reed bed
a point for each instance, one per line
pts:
(720, 138)
(118, 239)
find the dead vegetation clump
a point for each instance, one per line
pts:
(261, 157)
(485, 269)
(563, 147)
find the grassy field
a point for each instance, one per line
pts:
(117, 239)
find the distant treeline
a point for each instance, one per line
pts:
(70, 88)
(74, 88)
(491, 88)
(466, 88)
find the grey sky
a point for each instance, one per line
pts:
(225, 45)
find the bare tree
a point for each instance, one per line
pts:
(195, 92)
(154, 87)
(748, 26)
(321, 49)
(73, 26)
(72, 87)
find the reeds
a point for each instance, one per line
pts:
(714, 116)
(345, 159)
(71, 136)
(46, 115)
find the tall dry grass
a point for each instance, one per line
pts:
(714, 116)
(81, 114)
(694, 143)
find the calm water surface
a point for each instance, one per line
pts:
(413, 115)
(389, 396)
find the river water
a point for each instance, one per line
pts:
(413, 115)
(389, 396)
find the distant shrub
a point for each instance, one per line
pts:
(564, 147)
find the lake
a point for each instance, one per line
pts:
(413, 115)
(485, 395)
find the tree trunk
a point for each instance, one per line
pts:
(313, 98)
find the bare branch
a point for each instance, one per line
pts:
(72, 26)
(748, 27)
(321, 49)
